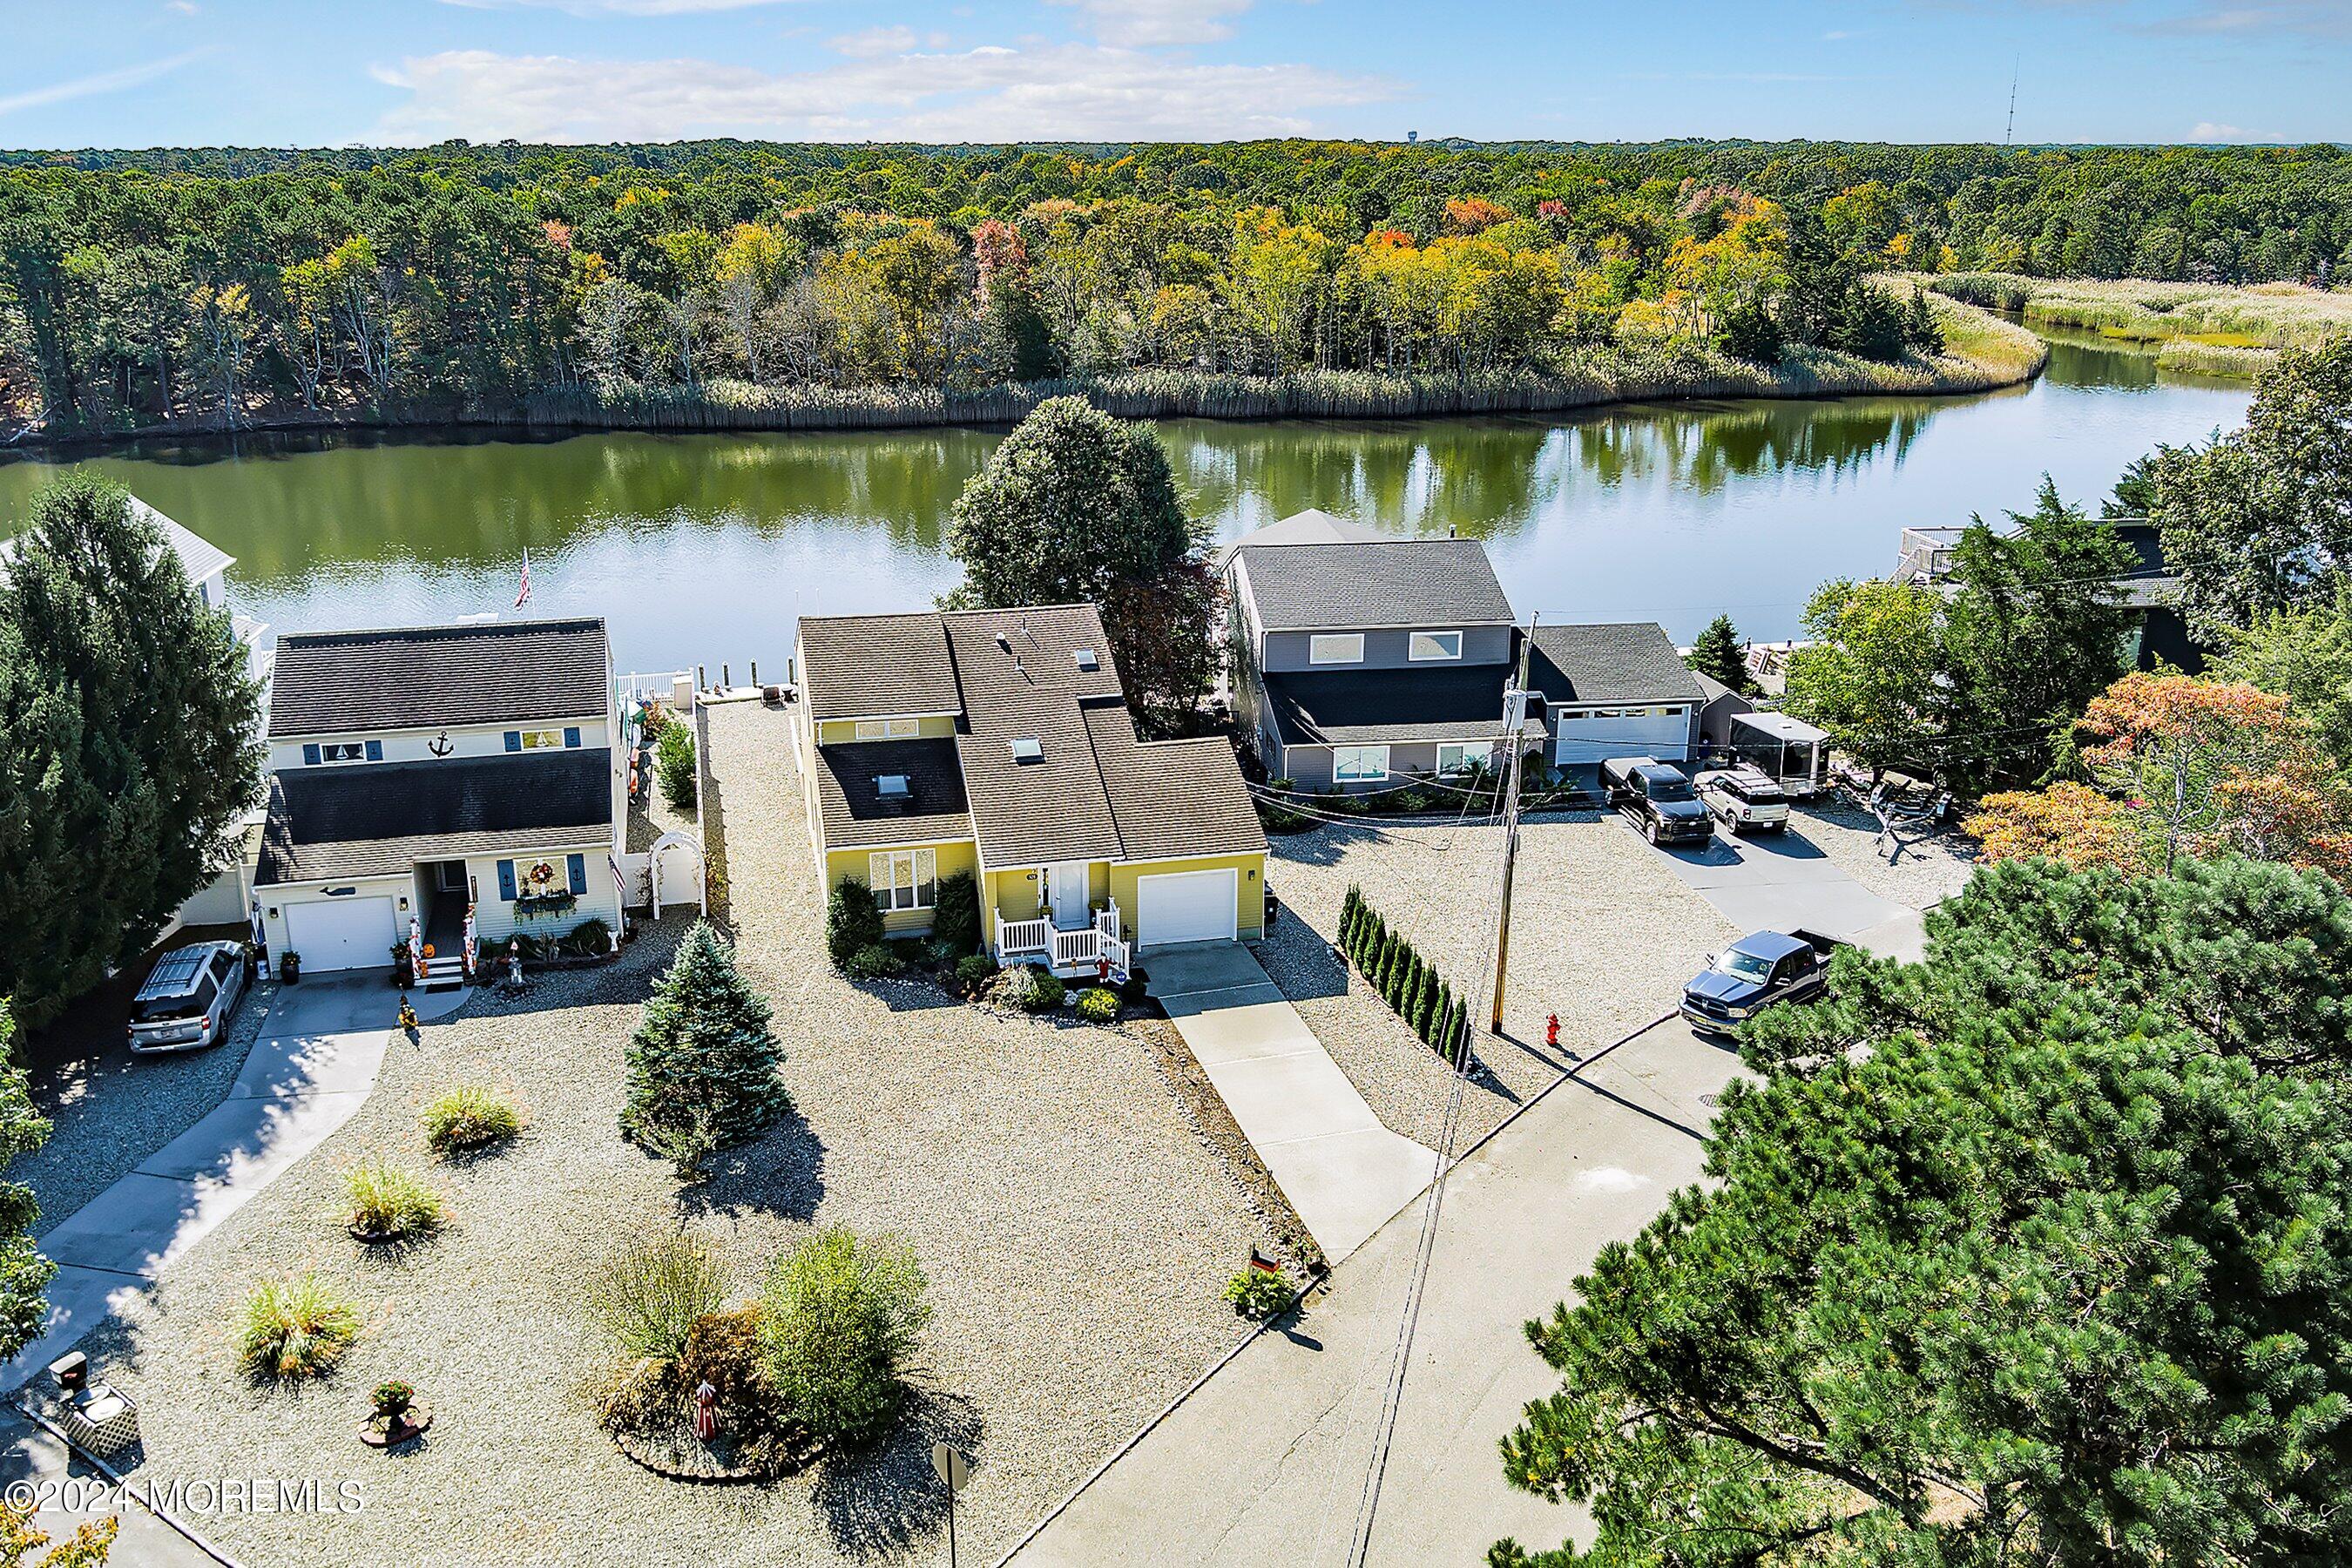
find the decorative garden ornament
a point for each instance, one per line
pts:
(706, 1411)
(469, 942)
(418, 964)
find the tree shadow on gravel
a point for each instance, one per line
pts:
(878, 1501)
(782, 1173)
(1301, 961)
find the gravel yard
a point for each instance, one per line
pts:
(1074, 1227)
(109, 1110)
(1926, 872)
(1601, 934)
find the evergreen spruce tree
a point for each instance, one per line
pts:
(1351, 909)
(1719, 656)
(1391, 949)
(1425, 1005)
(702, 1066)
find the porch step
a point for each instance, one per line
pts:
(441, 979)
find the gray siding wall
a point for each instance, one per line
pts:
(1310, 767)
(1387, 649)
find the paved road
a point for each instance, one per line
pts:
(72, 1493)
(1267, 1463)
(1342, 1171)
(312, 1065)
(1778, 881)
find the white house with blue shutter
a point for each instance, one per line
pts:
(417, 771)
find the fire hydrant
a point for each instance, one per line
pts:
(1551, 1031)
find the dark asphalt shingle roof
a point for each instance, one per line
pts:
(1055, 807)
(864, 666)
(1440, 582)
(421, 677)
(1370, 707)
(1172, 798)
(857, 812)
(372, 820)
(1625, 661)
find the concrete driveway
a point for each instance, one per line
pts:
(1778, 881)
(1267, 1460)
(1343, 1171)
(312, 1065)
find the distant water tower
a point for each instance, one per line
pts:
(1410, 137)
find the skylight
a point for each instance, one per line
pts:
(1028, 750)
(1087, 660)
(890, 787)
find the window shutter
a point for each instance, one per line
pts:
(571, 737)
(376, 751)
(576, 872)
(506, 880)
(514, 740)
(310, 754)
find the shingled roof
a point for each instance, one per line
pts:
(327, 823)
(856, 812)
(1383, 583)
(1625, 661)
(1090, 791)
(423, 678)
(868, 667)
(1364, 707)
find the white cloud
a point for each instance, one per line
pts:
(616, 7)
(104, 82)
(1132, 22)
(1072, 92)
(2212, 130)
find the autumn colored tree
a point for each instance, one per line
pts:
(2188, 767)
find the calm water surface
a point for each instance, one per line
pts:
(704, 548)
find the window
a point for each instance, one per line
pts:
(1360, 764)
(1462, 758)
(890, 787)
(902, 879)
(542, 741)
(1028, 749)
(1336, 647)
(1671, 712)
(1433, 645)
(888, 729)
(327, 751)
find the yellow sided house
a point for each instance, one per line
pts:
(418, 771)
(999, 743)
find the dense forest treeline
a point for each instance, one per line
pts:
(229, 287)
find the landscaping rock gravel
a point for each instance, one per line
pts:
(1931, 867)
(1074, 1227)
(1601, 934)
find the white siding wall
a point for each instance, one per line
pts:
(494, 917)
(275, 899)
(468, 740)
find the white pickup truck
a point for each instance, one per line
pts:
(1743, 797)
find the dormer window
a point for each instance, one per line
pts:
(1336, 647)
(1028, 750)
(888, 729)
(891, 786)
(1427, 646)
(1087, 660)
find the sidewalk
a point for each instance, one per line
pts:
(313, 1064)
(1343, 1171)
(72, 1493)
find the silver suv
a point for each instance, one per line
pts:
(188, 998)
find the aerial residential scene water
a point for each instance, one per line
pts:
(1104, 783)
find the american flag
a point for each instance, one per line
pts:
(523, 597)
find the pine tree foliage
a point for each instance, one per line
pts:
(703, 1066)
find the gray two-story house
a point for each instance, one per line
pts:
(1359, 660)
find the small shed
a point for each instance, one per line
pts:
(1789, 750)
(1715, 714)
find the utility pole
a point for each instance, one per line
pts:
(2010, 130)
(1515, 724)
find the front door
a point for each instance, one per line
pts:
(1070, 895)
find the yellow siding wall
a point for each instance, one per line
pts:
(836, 732)
(1249, 889)
(1017, 894)
(949, 859)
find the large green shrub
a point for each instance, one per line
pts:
(955, 919)
(839, 1320)
(853, 920)
(648, 1291)
(875, 963)
(673, 765)
(703, 1065)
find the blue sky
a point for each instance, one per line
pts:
(147, 72)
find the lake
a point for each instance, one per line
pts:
(704, 548)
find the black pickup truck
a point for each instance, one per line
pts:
(1658, 798)
(1759, 969)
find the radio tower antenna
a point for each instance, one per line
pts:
(2010, 130)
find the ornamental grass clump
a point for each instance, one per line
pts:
(648, 1293)
(389, 1204)
(468, 1119)
(295, 1328)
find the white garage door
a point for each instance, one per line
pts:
(1188, 906)
(341, 933)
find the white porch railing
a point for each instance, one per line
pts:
(1041, 941)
